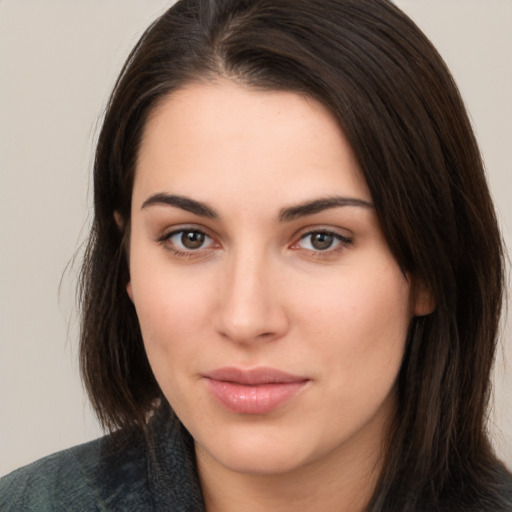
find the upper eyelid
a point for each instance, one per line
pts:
(342, 232)
(325, 231)
(170, 231)
(342, 239)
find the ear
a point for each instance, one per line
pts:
(120, 224)
(119, 220)
(129, 290)
(424, 301)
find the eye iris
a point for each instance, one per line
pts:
(321, 241)
(192, 239)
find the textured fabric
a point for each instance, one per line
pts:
(125, 471)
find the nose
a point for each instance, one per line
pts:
(250, 306)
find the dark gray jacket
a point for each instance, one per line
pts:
(120, 472)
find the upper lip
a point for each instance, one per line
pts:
(254, 376)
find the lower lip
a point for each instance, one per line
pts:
(256, 399)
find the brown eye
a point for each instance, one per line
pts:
(187, 241)
(192, 239)
(321, 241)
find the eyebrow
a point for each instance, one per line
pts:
(318, 205)
(185, 203)
(286, 214)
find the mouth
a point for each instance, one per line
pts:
(256, 391)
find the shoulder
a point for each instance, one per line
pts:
(486, 489)
(85, 477)
(496, 493)
(56, 482)
(504, 489)
(133, 469)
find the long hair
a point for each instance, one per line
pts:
(398, 106)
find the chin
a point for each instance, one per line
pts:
(272, 461)
(259, 453)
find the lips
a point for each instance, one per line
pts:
(256, 391)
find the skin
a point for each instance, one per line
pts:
(257, 292)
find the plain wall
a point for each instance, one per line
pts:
(58, 63)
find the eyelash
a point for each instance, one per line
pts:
(342, 242)
(165, 240)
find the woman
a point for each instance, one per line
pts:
(292, 287)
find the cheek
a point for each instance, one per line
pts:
(359, 326)
(169, 312)
(173, 310)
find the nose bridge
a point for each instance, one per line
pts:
(249, 307)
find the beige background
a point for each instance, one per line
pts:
(58, 61)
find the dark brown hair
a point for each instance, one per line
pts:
(401, 111)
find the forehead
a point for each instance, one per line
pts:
(227, 138)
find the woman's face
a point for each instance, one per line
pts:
(273, 314)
